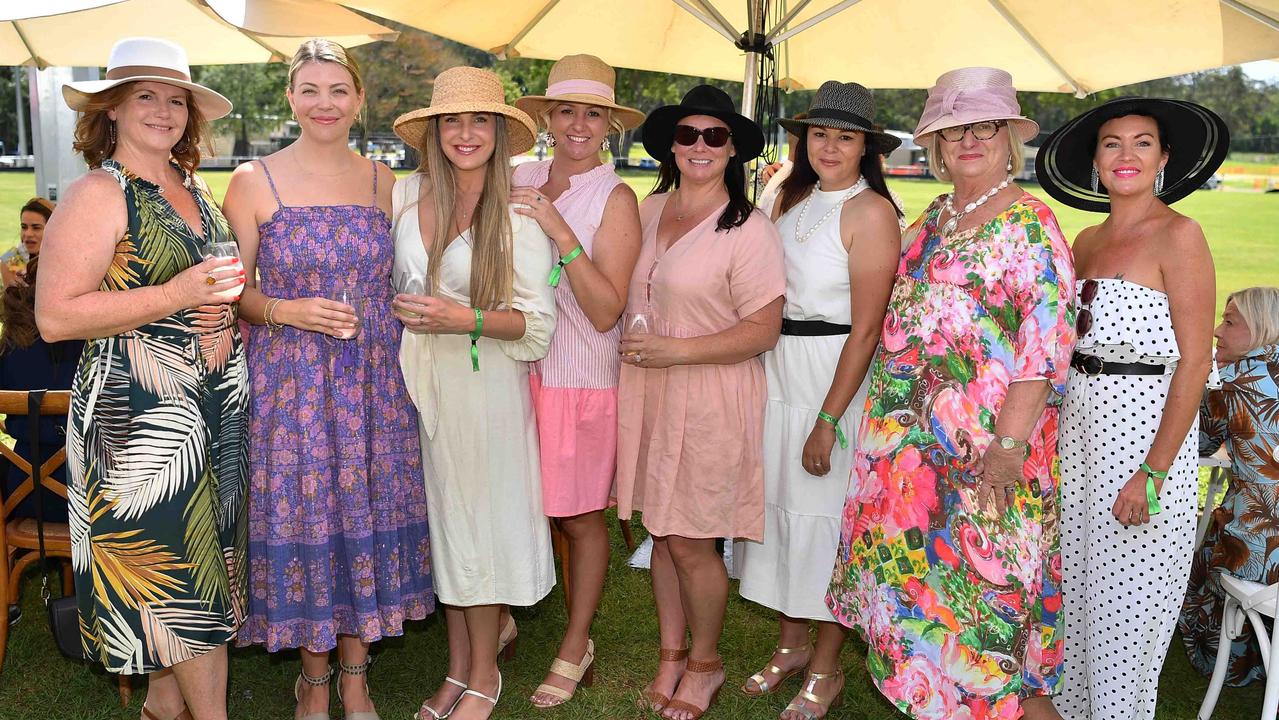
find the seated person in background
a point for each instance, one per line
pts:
(13, 263)
(1243, 538)
(27, 362)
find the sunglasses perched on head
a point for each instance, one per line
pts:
(714, 136)
(1083, 321)
(981, 131)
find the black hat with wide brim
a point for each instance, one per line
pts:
(1197, 140)
(659, 128)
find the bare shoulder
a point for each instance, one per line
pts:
(622, 197)
(1084, 243)
(1183, 233)
(93, 192)
(872, 206)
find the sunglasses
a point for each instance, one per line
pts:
(981, 131)
(1083, 321)
(714, 136)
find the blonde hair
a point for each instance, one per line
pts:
(1016, 149)
(615, 126)
(492, 265)
(95, 135)
(321, 50)
(1259, 307)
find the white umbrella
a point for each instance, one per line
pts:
(81, 32)
(1077, 46)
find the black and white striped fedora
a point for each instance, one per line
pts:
(844, 106)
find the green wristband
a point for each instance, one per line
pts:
(839, 434)
(554, 281)
(475, 336)
(1152, 497)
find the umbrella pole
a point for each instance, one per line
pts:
(53, 129)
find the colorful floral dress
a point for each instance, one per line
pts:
(960, 609)
(1243, 538)
(157, 456)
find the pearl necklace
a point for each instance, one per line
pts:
(801, 235)
(955, 217)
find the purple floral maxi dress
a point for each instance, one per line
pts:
(338, 541)
(960, 608)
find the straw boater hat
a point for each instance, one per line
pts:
(844, 106)
(973, 95)
(659, 128)
(468, 90)
(1197, 141)
(581, 79)
(147, 59)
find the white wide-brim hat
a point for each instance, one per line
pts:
(140, 59)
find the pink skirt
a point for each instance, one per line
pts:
(577, 437)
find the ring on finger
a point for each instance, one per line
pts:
(209, 279)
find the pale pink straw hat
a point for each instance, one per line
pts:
(973, 95)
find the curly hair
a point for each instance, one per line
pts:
(95, 136)
(18, 314)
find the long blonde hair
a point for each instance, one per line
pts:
(492, 267)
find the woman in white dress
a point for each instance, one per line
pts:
(1129, 422)
(478, 310)
(841, 236)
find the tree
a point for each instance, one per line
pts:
(256, 90)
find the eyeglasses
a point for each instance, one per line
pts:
(714, 136)
(1083, 321)
(982, 130)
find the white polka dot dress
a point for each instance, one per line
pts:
(1122, 587)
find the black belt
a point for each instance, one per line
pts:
(1093, 365)
(811, 328)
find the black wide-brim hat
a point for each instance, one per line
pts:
(1197, 140)
(843, 106)
(659, 128)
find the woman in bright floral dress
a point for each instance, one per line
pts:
(948, 561)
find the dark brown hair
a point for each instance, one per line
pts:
(803, 177)
(18, 313)
(40, 206)
(95, 133)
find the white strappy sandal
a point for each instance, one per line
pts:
(435, 715)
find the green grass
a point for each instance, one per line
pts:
(38, 684)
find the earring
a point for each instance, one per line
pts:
(547, 138)
(941, 162)
(1096, 178)
(111, 133)
(1159, 181)
(1009, 167)
(604, 145)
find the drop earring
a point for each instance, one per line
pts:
(1009, 167)
(548, 139)
(604, 145)
(1159, 181)
(1096, 178)
(111, 133)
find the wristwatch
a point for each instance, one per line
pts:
(1011, 443)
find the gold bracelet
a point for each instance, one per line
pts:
(271, 324)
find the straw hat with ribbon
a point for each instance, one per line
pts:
(468, 90)
(139, 59)
(973, 95)
(581, 79)
(1197, 140)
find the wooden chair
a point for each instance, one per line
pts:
(19, 542)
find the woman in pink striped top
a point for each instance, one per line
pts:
(592, 218)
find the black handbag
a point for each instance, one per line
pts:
(64, 615)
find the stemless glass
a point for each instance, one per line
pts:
(409, 282)
(639, 323)
(226, 249)
(352, 297)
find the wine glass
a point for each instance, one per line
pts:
(227, 249)
(352, 297)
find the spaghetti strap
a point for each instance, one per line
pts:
(374, 163)
(271, 182)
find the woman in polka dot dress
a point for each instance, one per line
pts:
(1129, 423)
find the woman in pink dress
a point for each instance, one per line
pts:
(578, 199)
(709, 284)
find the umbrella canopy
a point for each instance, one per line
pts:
(81, 32)
(1077, 46)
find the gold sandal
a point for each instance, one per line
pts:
(583, 674)
(651, 699)
(762, 687)
(697, 666)
(808, 695)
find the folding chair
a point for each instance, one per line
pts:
(1246, 602)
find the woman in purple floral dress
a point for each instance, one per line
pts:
(338, 545)
(948, 561)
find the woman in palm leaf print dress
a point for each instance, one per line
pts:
(156, 451)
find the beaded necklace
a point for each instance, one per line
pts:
(955, 217)
(803, 236)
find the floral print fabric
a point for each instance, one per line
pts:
(156, 456)
(960, 608)
(1243, 538)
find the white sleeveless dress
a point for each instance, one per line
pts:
(1122, 587)
(790, 570)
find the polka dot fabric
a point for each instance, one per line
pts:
(1122, 586)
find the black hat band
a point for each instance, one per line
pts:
(834, 114)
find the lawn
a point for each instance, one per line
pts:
(38, 684)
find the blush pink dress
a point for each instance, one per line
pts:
(690, 437)
(574, 387)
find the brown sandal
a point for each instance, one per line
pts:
(651, 699)
(698, 666)
(148, 715)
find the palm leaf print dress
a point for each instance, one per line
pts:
(157, 456)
